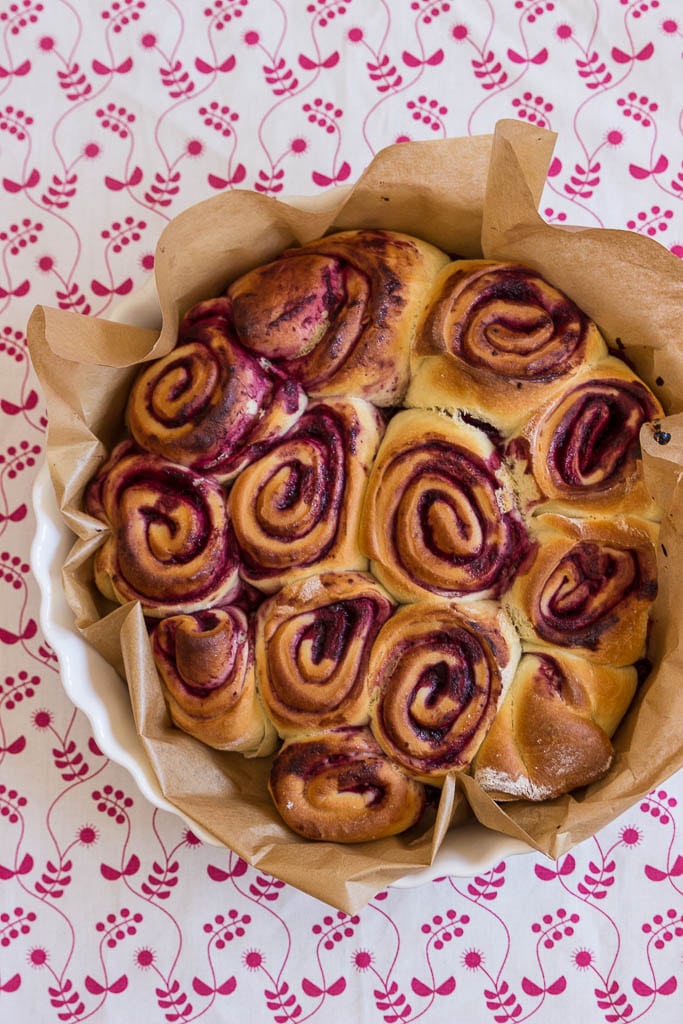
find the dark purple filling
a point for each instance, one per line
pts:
(329, 633)
(322, 491)
(504, 543)
(452, 682)
(599, 433)
(589, 583)
(563, 324)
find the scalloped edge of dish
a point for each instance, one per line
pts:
(95, 688)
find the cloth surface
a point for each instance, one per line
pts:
(114, 117)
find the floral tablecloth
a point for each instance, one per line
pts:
(115, 116)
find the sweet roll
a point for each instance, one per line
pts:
(589, 587)
(580, 452)
(296, 509)
(340, 787)
(205, 662)
(498, 338)
(313, 642)
(169, 545)
(209, 404)
(438, 672)
(439, 516)
(338, 314)
(552, 732)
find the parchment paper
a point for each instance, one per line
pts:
(471, 197)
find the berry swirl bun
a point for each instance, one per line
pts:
(209, 404)
(439, 517)
(583, 446)
(438, 673)
(170, 545)
(339, 786)
(295, 510)
(313, 643)
(498, 338)
(589, 587)
(205, 662)
(338, 315)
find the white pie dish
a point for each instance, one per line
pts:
(94, 687)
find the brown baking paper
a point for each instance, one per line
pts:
(470, 197)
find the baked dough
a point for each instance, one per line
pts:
(313, 643)
(440, 515)
(339, 314)
(390, 510)
(438, 672)
(339, 786)
(205, 662)
(552, 732)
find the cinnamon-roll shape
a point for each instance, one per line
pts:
(588, 587)
(439, 516)
(338, 314)
(313, 642)
(170, 545)
(498, 339)
(338, 786)
(438, 672)
(295, 510)
(209, 404)
(582, 449)
(205, 662)
(552, 732)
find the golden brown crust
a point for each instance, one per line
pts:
(295, 511)
(273, 469)
(339, 313)
(588, 587)
(209, 404)
(313, 642)
(505, 339)
(438, 672)
(338, 786)
(439, 517)
(170, 545)
(581, 450)
(552, 732)
(206, 665)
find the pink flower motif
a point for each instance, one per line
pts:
(144, 958)
(614, 138)
(149, 40)
(251, 38)
(253, 959)
(194, 147)
(37, 956)
(564, 31)
(402, 138)
(670, 26)
(582, 958)
(42, 719)
(460, 32)
(91, 150)
(355, 35)
(472, 959)
(189, 838)
(46, 43)
(299, 145)
(147, 261)
(87, 835)
(362, 959)
(630, 835)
